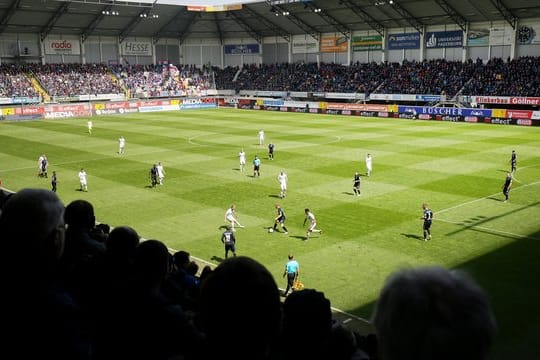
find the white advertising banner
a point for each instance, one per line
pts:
(143, 48)
(62, 46)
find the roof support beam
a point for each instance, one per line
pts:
(62, 9)
(9, 13)
(505, 12)
(254, 34)
(95, 21)
(414, 22)
(276, 29)
(134, 22)
(371, 21)
(218, 28)
(162, 32)
(454, 15)
(339, 26)
(295, 20)
(185, 31)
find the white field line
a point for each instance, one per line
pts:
(483, 198)
(489, 229)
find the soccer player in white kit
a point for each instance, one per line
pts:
(282, 178)
(160, 173)
(242, 157)
(261, 137)
(312, 223)
(89, 124)
(83, 180)
(231, 218)
(121, 145)
(368, 164)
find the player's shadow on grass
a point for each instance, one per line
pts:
(299, 237)
(274, 196)
(217, 258)
(495, 198)
(413, 236)
(347, 193)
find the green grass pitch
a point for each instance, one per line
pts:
(457, 168)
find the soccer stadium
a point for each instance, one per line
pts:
(270, 180)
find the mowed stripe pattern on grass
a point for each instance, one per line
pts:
(365, 238)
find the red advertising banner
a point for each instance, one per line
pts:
(29, 110)
(519, 114)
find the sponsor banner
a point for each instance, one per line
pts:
(349, 96)
(98, 97)
(357, 107)
(241, 49)
(304, 44)
(143, 48)
(444, 111)
(29, 110)
(489, 99)
(334, 44)
(198, 106)
(428, 98)
(525, 100)
(404, 41)
(528, 34)
(478, 37)
(19, 100)
(196, 101)
(62, 47)
(153, 108)
(444, 39)
(67, 111)
(524, 122)
(393, 97)
(504, 36)
(267, 102)
(298, 94)
(365, 43)
(519, 114)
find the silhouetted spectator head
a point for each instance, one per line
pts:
(80, 214)
(122, 242)
(181, 259)
(32, 229)
(433, 313)
(307, 319)
(240, 310)
(151, 263)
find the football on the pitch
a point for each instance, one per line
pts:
(270, 230)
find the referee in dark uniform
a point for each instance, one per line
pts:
(507, 185)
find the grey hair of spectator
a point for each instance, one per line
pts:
(32, 227)
(433, 313)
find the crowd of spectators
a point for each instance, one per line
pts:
(518, 77)
(74, 79)
(14, 83)
(163, 80)
(77, 290)
(496, 77)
